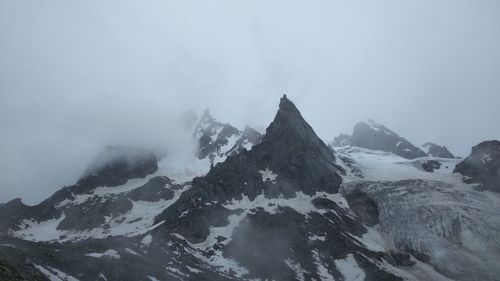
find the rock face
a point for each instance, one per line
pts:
(372, 135)
(431, 165)
(483, 165)
(436, 150)
(217, 140)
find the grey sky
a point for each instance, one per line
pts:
(77, 75)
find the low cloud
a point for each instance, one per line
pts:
(77, 76)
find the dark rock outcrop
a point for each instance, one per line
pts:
(482, 166)
(372, 135)
(364, 207)
(154, 190)
(431, 165)
(14, 211)
(436, 150)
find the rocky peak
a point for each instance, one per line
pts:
(372, 135)
(290, 158)
(289, 121)
(217, 140)
(483, 165)
(436, 150)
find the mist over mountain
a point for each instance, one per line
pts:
(236, 140)
(77, 76)
(282, 206)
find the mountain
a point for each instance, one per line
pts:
(289, 208)
(274, 211)
(371, 135)
(436, 150)
(216, 140)
(482, 166)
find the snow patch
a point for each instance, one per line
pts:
(485, 158)
(323, 272)
(109, 253)
(299, 271)
(132, 252)
(147, 240)
(268, 175)
(139, 220)
(350, 269)
(55, 274)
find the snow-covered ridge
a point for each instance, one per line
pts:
(138, 220)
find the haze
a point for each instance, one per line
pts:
(78, 75)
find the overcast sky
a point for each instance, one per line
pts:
(77, 75)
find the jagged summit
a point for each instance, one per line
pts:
(290, 149)
(291, 158)
(217, 140)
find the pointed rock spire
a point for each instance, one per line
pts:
(289, 123)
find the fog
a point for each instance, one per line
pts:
(76, 76)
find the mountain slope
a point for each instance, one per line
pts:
(436, 150)
(371, 135)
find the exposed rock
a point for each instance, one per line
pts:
(401, 258)
(14, 211)
(483, 165)
(154, 190)
(372, 135)
(249, 138)
(364, 207)
(435, 150)
(431, 165)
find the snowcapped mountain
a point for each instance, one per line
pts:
(283, 206)
(369, 134)
(217, 140)
(436, 150)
